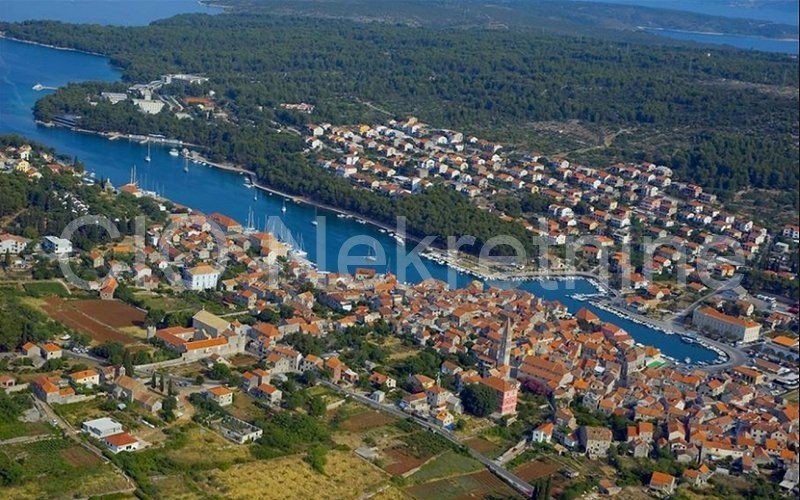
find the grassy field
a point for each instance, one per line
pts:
(45, 289)
(10, 430)
(445, 465)
(198, 442)
(69, 470)
(346, 476)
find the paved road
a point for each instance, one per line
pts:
(511, 479)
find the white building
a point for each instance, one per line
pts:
(202, 277)
(220, 395)
(101, 427)
(11, 243)
(149, 106)
(56, 245)
(121, 442)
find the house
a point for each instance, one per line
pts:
(85, 378)
(269, 392)
(13, 244)
(543, 433)
(201, 277)
(121, 442)
(109, 288)
(31, 350)
(51, 351)
(662, 483)
(7, 381)
(48, 390)
(101, 427)
(220, 395)
(380, 380)
(608, 488)
(595, 440)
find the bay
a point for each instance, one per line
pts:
(211, 190)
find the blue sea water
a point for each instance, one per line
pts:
(210, 190)
(116, 12)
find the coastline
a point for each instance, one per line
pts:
(56, 47)
(717, 33)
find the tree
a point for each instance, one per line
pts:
(317, 458)
(219, 371)
(153, 380)
(478, 399)
(168, 408)
(316, 406)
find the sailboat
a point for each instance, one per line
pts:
(371, 255)
(255, 196)
(186, 164)
(283, 208)
(314, 220)
(147, 158)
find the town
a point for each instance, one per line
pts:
(164, 334)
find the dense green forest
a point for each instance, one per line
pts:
(723, 118)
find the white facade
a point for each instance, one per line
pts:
(56, 245)
(13, 244)
(201, 278)
(149, 106)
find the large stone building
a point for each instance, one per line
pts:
(745, 330)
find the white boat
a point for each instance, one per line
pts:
(283, 208)
(185, 165)
(400, 240)
(147, 158)
(174, 152)
(371, 255)
(314, 221)
(248, 183)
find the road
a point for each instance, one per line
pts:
(510, 478)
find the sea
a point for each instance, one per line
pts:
(776, 11)
(208, 189)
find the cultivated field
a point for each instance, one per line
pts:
(46, 288)
(90, 316)
(536, 469)
(477, 485)
(113, 313)
(367, 420)
(346, 476)
(59, 468)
